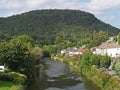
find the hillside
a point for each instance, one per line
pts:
(45, 25)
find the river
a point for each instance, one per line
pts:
(58, 76)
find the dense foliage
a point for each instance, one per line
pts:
(20, 54)
(14, 77)
(117, 66)
(53, 49)
(89, 59)
(118, 38)
(53, 26)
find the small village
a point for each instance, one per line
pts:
(110, 48)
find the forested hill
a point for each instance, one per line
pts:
(46, 25)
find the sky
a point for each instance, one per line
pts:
(107, 11)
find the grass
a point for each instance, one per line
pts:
(5, 85)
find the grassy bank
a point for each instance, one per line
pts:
(5, 85)
(12, 81)
(101, 79)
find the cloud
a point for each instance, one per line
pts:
(94, 6)
(97, 7)
(32, 4)
(10, 4)
(109, 18)
(102, 6)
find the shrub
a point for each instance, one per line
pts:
(17, 78)
(16, 87)
(4, 76)
(117, 67)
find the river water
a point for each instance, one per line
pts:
(58, 76)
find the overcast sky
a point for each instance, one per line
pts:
(106, 10)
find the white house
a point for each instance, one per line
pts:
(73, 51)
(111, 49)
(63, 51)
(2, 68)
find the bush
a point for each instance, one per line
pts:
(117, 67)
(105, 61)
(16, 87)
(101, 79)
(15, 77)
(4, 76)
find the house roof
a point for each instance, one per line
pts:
(108, 45)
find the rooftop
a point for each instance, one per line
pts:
(108, 45)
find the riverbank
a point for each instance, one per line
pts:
(101, 79)
(5, 85)
(12, 80)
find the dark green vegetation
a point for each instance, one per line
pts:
(97, 38)
(117, 66)
(89, 59)
(19, 55)
(46, 26)
(89, 66)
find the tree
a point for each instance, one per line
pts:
(58, 40)
(83, 42)
(85, 60)
(119, 38)
(117, 67)
(16, 54)
(98, 38)
(47, 50)
(37, 53)
(95, 60)
(105, 61)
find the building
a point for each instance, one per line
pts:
(63, 51)
(73, 51)
(111, 49)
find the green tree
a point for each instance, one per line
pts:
(117, 67)
(85, 60)
(105, 61)
(37, 53)
(83, 42)
(119, 38)
(58, 40)
(16, 54)
(47, 50)
(95, 60)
